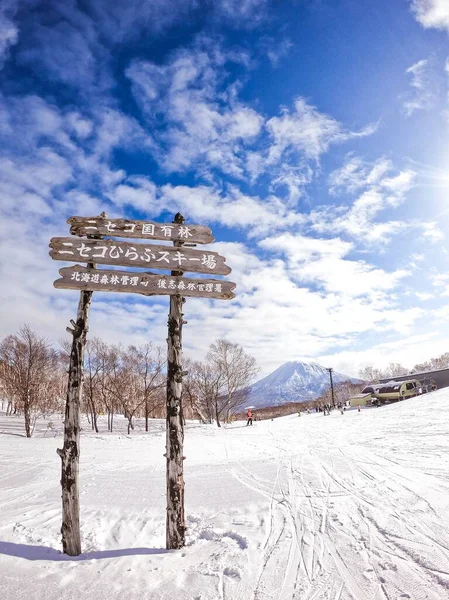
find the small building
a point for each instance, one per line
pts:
(431, 380)
(364, 399)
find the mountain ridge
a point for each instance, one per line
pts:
(294, 381)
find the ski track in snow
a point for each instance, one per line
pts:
(352, 507)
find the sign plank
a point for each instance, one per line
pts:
(148, 284)
(150, 230)
(124, 254)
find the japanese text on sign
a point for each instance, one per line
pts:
(131, 253)
(146, 229)
(103, 226)
(162, 282)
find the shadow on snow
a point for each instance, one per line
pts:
(47, 553)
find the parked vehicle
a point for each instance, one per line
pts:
(393, 390)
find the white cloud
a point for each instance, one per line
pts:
(62, 34)
(303, 249)
(356, 174)
(28, 188)
(439, 279)
(423, 86)
(277, 49)
(200, 122)
(136, 192)
(191, 105)
(322, 262)
(380, 187)
(80, 126)
(9, 35)
(245, 13)
(233, 209)
(408, 351)
(431, 13)
(431, 231)
(121, 20)
(294, 179)
(415, 259)
(307, 131)
(55, 46)
(424, 296)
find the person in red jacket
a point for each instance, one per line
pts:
(250, 417)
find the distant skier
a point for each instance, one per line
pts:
(358, 408)
(249, 414)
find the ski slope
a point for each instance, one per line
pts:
(352, 507)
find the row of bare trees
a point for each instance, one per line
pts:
(129, 381)
(373, 374)
(31, 377)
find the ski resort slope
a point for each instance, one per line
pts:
(343, 507)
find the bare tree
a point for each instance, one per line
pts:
(395, 370)
(441, 362)
(105, 358)
(92, 374)
(208, 383)
(119, 382)
(31, 374)
(370, 374)
(146, 364)
(236, 369)
(193, 401)
(131, 379)
(373, 375)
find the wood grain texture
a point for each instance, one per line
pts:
(70, 452)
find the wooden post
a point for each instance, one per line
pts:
(71, 538)
(175, 525)
(70, 453)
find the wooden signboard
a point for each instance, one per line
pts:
(149, 230)
(124, 254)
(177, 258)
(148, 284)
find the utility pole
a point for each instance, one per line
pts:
(332, 386)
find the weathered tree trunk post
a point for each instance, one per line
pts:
(175, 526)
(71, 537)
(70, 453)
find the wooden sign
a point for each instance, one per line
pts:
(148, 284)
(177, 259)
(150, 230)
(124, 254)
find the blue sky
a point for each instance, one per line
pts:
(310, 135)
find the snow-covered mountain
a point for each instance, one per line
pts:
(293, 382)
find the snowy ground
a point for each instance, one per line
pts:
(311, 508)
